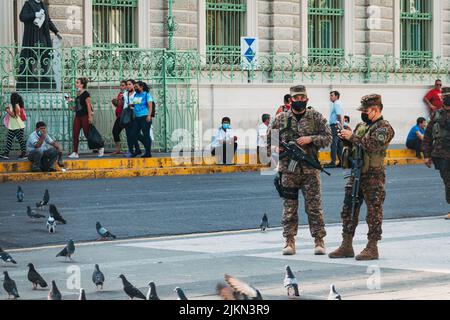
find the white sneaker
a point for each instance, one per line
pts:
(101, 152)
(74, 156)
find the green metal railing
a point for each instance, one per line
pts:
(44, 75)
(172, 76)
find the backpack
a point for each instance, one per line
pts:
(154, 105)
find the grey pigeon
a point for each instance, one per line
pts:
(10, 286)
(98, 278)
(82, 294)
(55, 214)
(33, 215)
(243, 288)
(152, 295)
(6, 257)
(35, 278)
(51, 225)
(264, 223)
(103, 232)
(54, 293)
(19, 194)
(180, 293)
(131, 290)
(291, 283)
(68, 251)
(333, 295)
(45, 200)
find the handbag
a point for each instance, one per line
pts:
(6, 120)
(23, 115)
(126, 118)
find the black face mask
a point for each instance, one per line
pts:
(299, 106)
(365, 118)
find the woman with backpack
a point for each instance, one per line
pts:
(15, 123)
(143, 110)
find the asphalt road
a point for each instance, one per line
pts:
(155, 206)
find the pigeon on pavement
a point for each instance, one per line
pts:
(35, 278)
(51, 225)
(131, 290)
(243, 288)
(180, 293)
(10, 286)
(264, 223)
(20, 194)
(333, 294)
(68, 251)
(152, 295)
(291, 283)
(45, 200)
(82, 294)
(103, 232)
(55, 214)
(98, 278)
(6, 257)
(54, 293)
(33, 215)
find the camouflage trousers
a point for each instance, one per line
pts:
(445, 175)
(308, 181)
(373, 193)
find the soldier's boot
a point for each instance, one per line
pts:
(370, 252)
(319, 247)
(289, 247)
(345, 250)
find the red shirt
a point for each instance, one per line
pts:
(119, 108)
(435, 97)
(284, 108)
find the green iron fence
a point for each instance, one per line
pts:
(172, 76)
(44, 75)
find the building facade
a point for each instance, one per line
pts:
(394, 47)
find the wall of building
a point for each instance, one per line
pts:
(402, 104)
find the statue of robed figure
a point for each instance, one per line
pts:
(35, 62)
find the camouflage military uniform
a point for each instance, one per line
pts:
(304, 178)
(436, 142)
(374, 140)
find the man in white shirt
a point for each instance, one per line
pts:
(223, 142)
(262, 137)
(42, 150)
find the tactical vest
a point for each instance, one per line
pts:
(371, 159)
(440, 132)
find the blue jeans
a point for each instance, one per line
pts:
(336, 144)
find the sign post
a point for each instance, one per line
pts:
(249, 54)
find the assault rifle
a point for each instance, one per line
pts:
(297, 154)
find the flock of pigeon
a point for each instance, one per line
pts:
(233, 289)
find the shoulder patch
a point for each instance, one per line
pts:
(381, 134)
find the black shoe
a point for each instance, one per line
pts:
(23, 156)
(330, 166)
(4, 156)
(146, 156)
(51, 170)
(35, 169)
(138, 153)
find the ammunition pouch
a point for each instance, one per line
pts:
(345, 158)
(278, 186)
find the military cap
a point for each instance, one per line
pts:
(297, 90)
(445, 92)
(370, 100)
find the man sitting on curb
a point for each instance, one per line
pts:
(42, 150)
(224, 144)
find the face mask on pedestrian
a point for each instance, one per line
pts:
(226, 126)
(366, 117)
(299, 106)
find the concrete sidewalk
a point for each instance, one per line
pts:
(414, 264)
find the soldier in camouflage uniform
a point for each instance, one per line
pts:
(373, 135)
(436, 142)
(310, 130)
